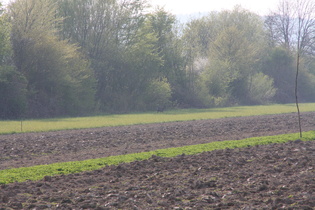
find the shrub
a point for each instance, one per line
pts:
(158, 95)
(261, 89)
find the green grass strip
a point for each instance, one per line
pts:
(43, 125)
(40, 171)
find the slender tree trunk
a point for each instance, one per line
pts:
(296, 92)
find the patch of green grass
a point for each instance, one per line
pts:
(40, 171)
(43, 125)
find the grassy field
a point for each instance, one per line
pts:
(40, 125)
(40, 171)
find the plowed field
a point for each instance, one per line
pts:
(270, 177)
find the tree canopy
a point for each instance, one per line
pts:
(79, 57)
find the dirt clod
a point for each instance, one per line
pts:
(276, 176)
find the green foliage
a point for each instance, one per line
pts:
(60, 81)
(39, 172)
(33, 19)
(230, 44)
(161, 24)
(121, 48)
(217, 80)
(307, 85)
(261, 90)
(12, 83)
(5, 44)
(169, 46)
(12, 93)
(158, 95)
(75, 57)
(279, 65)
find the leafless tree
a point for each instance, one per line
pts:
(281, 24)
(293, 26)
(305, 10)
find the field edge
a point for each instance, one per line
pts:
(38, 172)
(57, 124)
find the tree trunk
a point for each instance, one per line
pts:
(296, 92)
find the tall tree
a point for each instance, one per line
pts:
(106, 31)
(279, 64)
(162, 24)
(281, 25)
(170, 48)
(235, 47)
(12, 83)
(60, 81)
(196, 38)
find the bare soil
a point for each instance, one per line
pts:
(261, 177)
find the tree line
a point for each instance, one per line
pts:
(81, 57)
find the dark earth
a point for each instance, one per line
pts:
(277, 176)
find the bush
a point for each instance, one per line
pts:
(12, 93)
(261, 89)
(158, 95)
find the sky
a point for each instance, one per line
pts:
(4, 2)
(184, 7)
